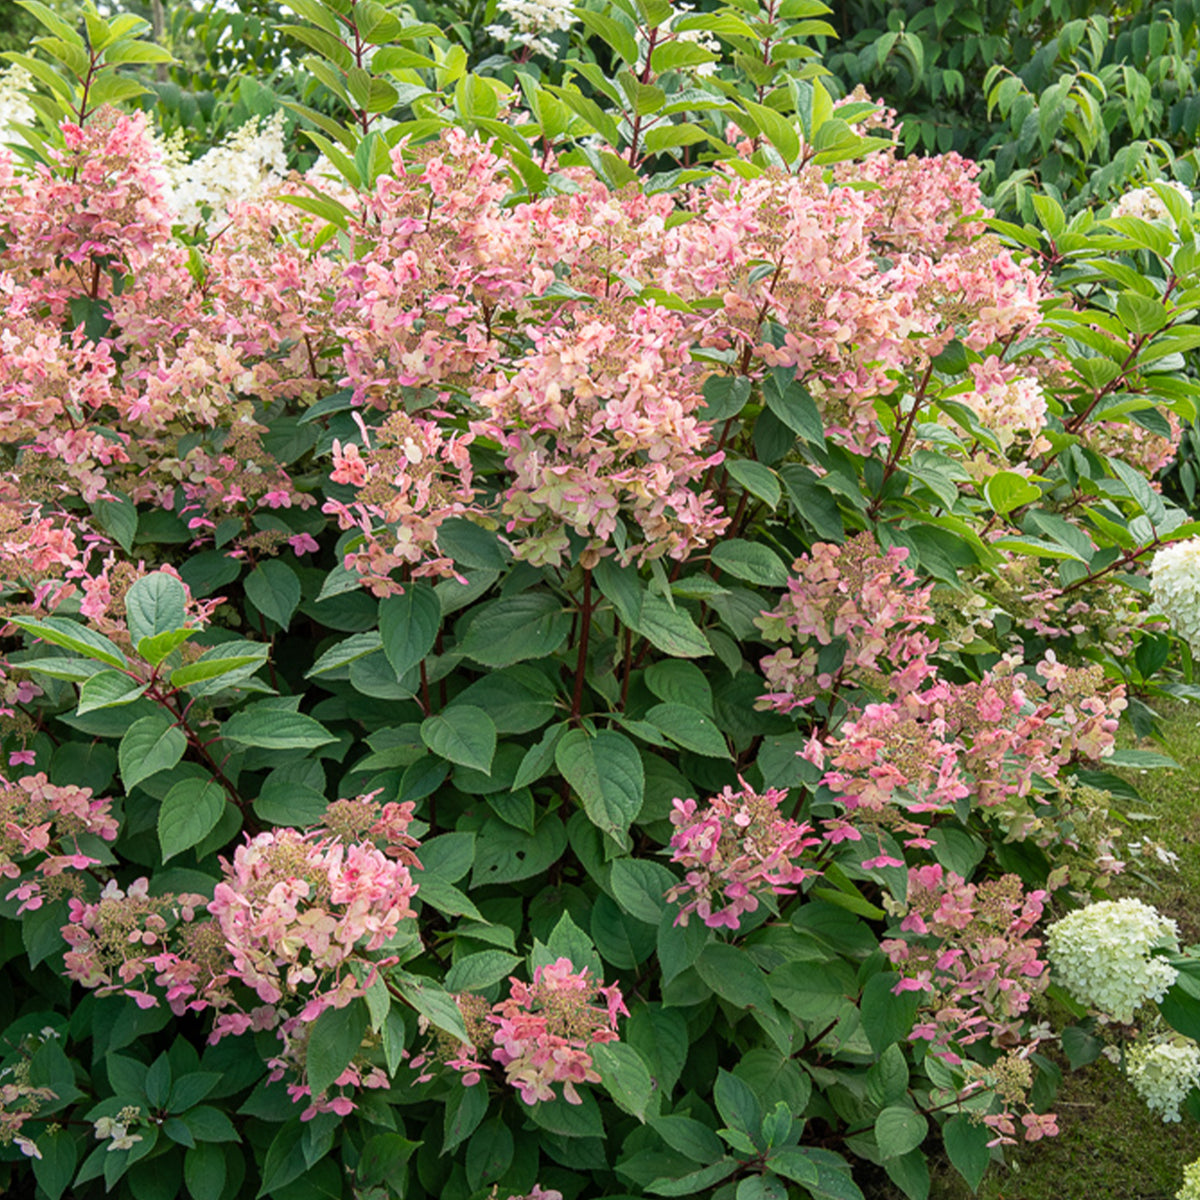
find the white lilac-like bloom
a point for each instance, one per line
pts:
(528, 20)
(247, 164)
(1191, 1182)
(1145, 202)
(1163, 1073)
(15, 109)
(1175, 584)
(1104, 956)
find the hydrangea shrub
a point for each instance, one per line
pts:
(521, 677)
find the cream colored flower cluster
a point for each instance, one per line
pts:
(1163, 1072)
(1104, 956)
(15, 109)
(1191, 1182)
(247, 164)
(1175, 583)
(529, 19)
(1145, 202)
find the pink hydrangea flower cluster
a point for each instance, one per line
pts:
(969, 951)
(540, 1034)
(735, 850)
(935, 742)
(40, 828)
(599, 424)
(856, 592)
(121, 939)
(411, 476)
(297, 923)
(967, 948)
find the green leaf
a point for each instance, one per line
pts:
(794, 1164)
(695, 1183)
(59, 631)
(690, 729)
(680, 683)
(108, 689)
(409, 625)
(625, 1076)
(887, 1017)
(791, 402)
(638, 886)
(967, 1148)
(1135, 482)
(738, 1105)
(463, 735)
(155, 604)
(348, 650)
(204, 1171)
(274, 590)
(55, 1166)
(733, 975)
(759, 480)
(293, 794)
(76, 670)
(532, 625)
(334, 1040)
(505, 854)
(190, 1089)
(898, 1130)
(751, 561)
(691, 1138)
(724, 396)
(1007, 490)
(581, 1120)
(151, 744)
(117, 516)
(217, 663)
(668, 629)
(269, 728)
(478, 971)
(431, 1001)
(606, 774)
(155, 649)
(189, 813)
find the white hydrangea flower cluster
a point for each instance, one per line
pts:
(1191, 1182)
(1175, 584)
(248, 163)
(529, 19)
(1145, 203)
(1103, 955)
(1163, 1073)
(15, 109)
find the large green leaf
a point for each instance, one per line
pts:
(189, 813)
(606, 774)
(269, 728)
(274, 590)
(625, 1076)
(690, 729)
(151, 744)
(899, 1129)
(751, 561)
(108, 689)
(464, 735)
(71, 635)
(334, 1040)
(408, 625)
(155, 604)
(532, 625)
